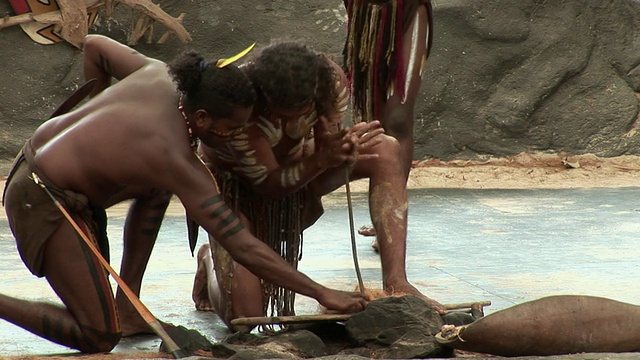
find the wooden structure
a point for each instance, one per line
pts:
(71, 18)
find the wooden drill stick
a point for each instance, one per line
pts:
(354, 251)
(466, 305)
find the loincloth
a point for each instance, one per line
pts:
(373, 51)
(33, 217)
(278, 223)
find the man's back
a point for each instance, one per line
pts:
(115, 139)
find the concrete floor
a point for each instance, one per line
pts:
(506, 246)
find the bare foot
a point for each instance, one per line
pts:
(132, 323)
(200, 292)
(407, 288)
(439, 308)
(367, 230)
(134, 327)
(130, 329)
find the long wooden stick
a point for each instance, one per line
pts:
(466, 305)
(354, 251)
(299, 319)
(148, 317)
(296, 319)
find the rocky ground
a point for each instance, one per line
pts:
(521, 171)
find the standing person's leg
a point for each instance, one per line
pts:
(388, 205)
(386, 45)
(388, 209)
(89, 322)
(397, 108)
(398, 113)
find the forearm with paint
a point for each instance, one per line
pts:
(286, 180)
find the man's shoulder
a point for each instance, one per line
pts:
(153, 78)
(337, 68)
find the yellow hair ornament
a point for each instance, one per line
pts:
(224, 62)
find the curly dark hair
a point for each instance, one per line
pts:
(208, 87)
(289, 74)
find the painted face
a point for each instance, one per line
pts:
(223, 130)
(297, 122)
(292, 114)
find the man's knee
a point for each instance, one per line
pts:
(388, 149)
(204, 251)
(399, 123)
(97, 341)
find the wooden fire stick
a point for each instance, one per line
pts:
(467, 305)
(300, 319)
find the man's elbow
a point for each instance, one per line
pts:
(92, 41)
(244, 253)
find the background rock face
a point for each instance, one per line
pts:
(511, 76)
(505, 76)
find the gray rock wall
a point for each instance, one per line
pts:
(510, 76)
(505, 76)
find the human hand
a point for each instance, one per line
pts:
(364, 136)
(347, 146)
(342, 301)
(333, 146)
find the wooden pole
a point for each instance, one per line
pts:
(354, 251)
(466, 305)
(53, 17)
(299, 319)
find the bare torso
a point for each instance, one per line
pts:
(108, 148)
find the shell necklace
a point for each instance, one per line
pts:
(193, 142)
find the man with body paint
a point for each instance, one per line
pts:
(291, 153)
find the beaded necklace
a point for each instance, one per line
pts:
(193, 142)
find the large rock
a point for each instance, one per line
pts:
(396, 328)
(504, 76)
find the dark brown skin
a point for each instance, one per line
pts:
(398, 122)
(130, 142)
(398, 119)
